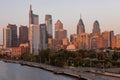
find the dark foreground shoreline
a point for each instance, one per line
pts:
(55, 70)
(60, 71)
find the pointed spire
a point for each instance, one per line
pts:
(30, 7)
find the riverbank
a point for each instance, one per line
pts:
(74, 72)
(104, 73)
(55, 70)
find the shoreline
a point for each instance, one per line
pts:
(104, 73)
(47, 68)
(61, 71)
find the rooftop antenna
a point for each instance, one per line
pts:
(30, 7)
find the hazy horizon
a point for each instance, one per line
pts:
(68, 11)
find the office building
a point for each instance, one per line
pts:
(107, 38)
(96, 27)
(14, 38)
(23, 34)
(7, 37)
(34, 32)
(48, 22)
(116, 41)
(60, 33)
(43, 36)
(80, 27)
(58, 25)
(96, 42)
(83, 41)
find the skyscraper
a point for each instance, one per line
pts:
(96, 27)
(80, 27)
(7, 37)
(43, 36)
(60, 33)
(48, 22)
(96, 42)
(116, 41)
(84, 41)
(34, 32)
(14, 39)
(58, 25)
(33, 18)
(107, 38)
(23, 34)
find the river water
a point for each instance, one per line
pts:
(10, 71)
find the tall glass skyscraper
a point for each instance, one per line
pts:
(34, 32)
(23, 34)
(48, 22)
(7, 37)
(80, 27)
(33, 18)
(96, 27)
(14, 38)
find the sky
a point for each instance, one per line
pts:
(107, 12)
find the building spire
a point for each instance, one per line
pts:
(30, 7)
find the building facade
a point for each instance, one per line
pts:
(48, 22)
(83, 41)
(14, 38)
(107, 38)
(60, 33)
(80, 27)
(43, 36)
(116, 41)
(96, 27)
(23, 34)
(7, 37)
(96, 42)
(34, 32)
(58, 25)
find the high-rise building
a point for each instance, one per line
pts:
(58, 25)
(60, 33)
(111, 37)
(96, 42)
(83, 41)
(43, 36)
(96, 27)
(48, 22)
(107, 38)
(7, 37)
(14, 38)
(34, 32)
(80, 27)
(23, 34)
(33, 18)
(116, 41)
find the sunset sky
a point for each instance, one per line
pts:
(107, 12)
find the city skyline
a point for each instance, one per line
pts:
(103, 11)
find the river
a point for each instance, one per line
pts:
(10, 71)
